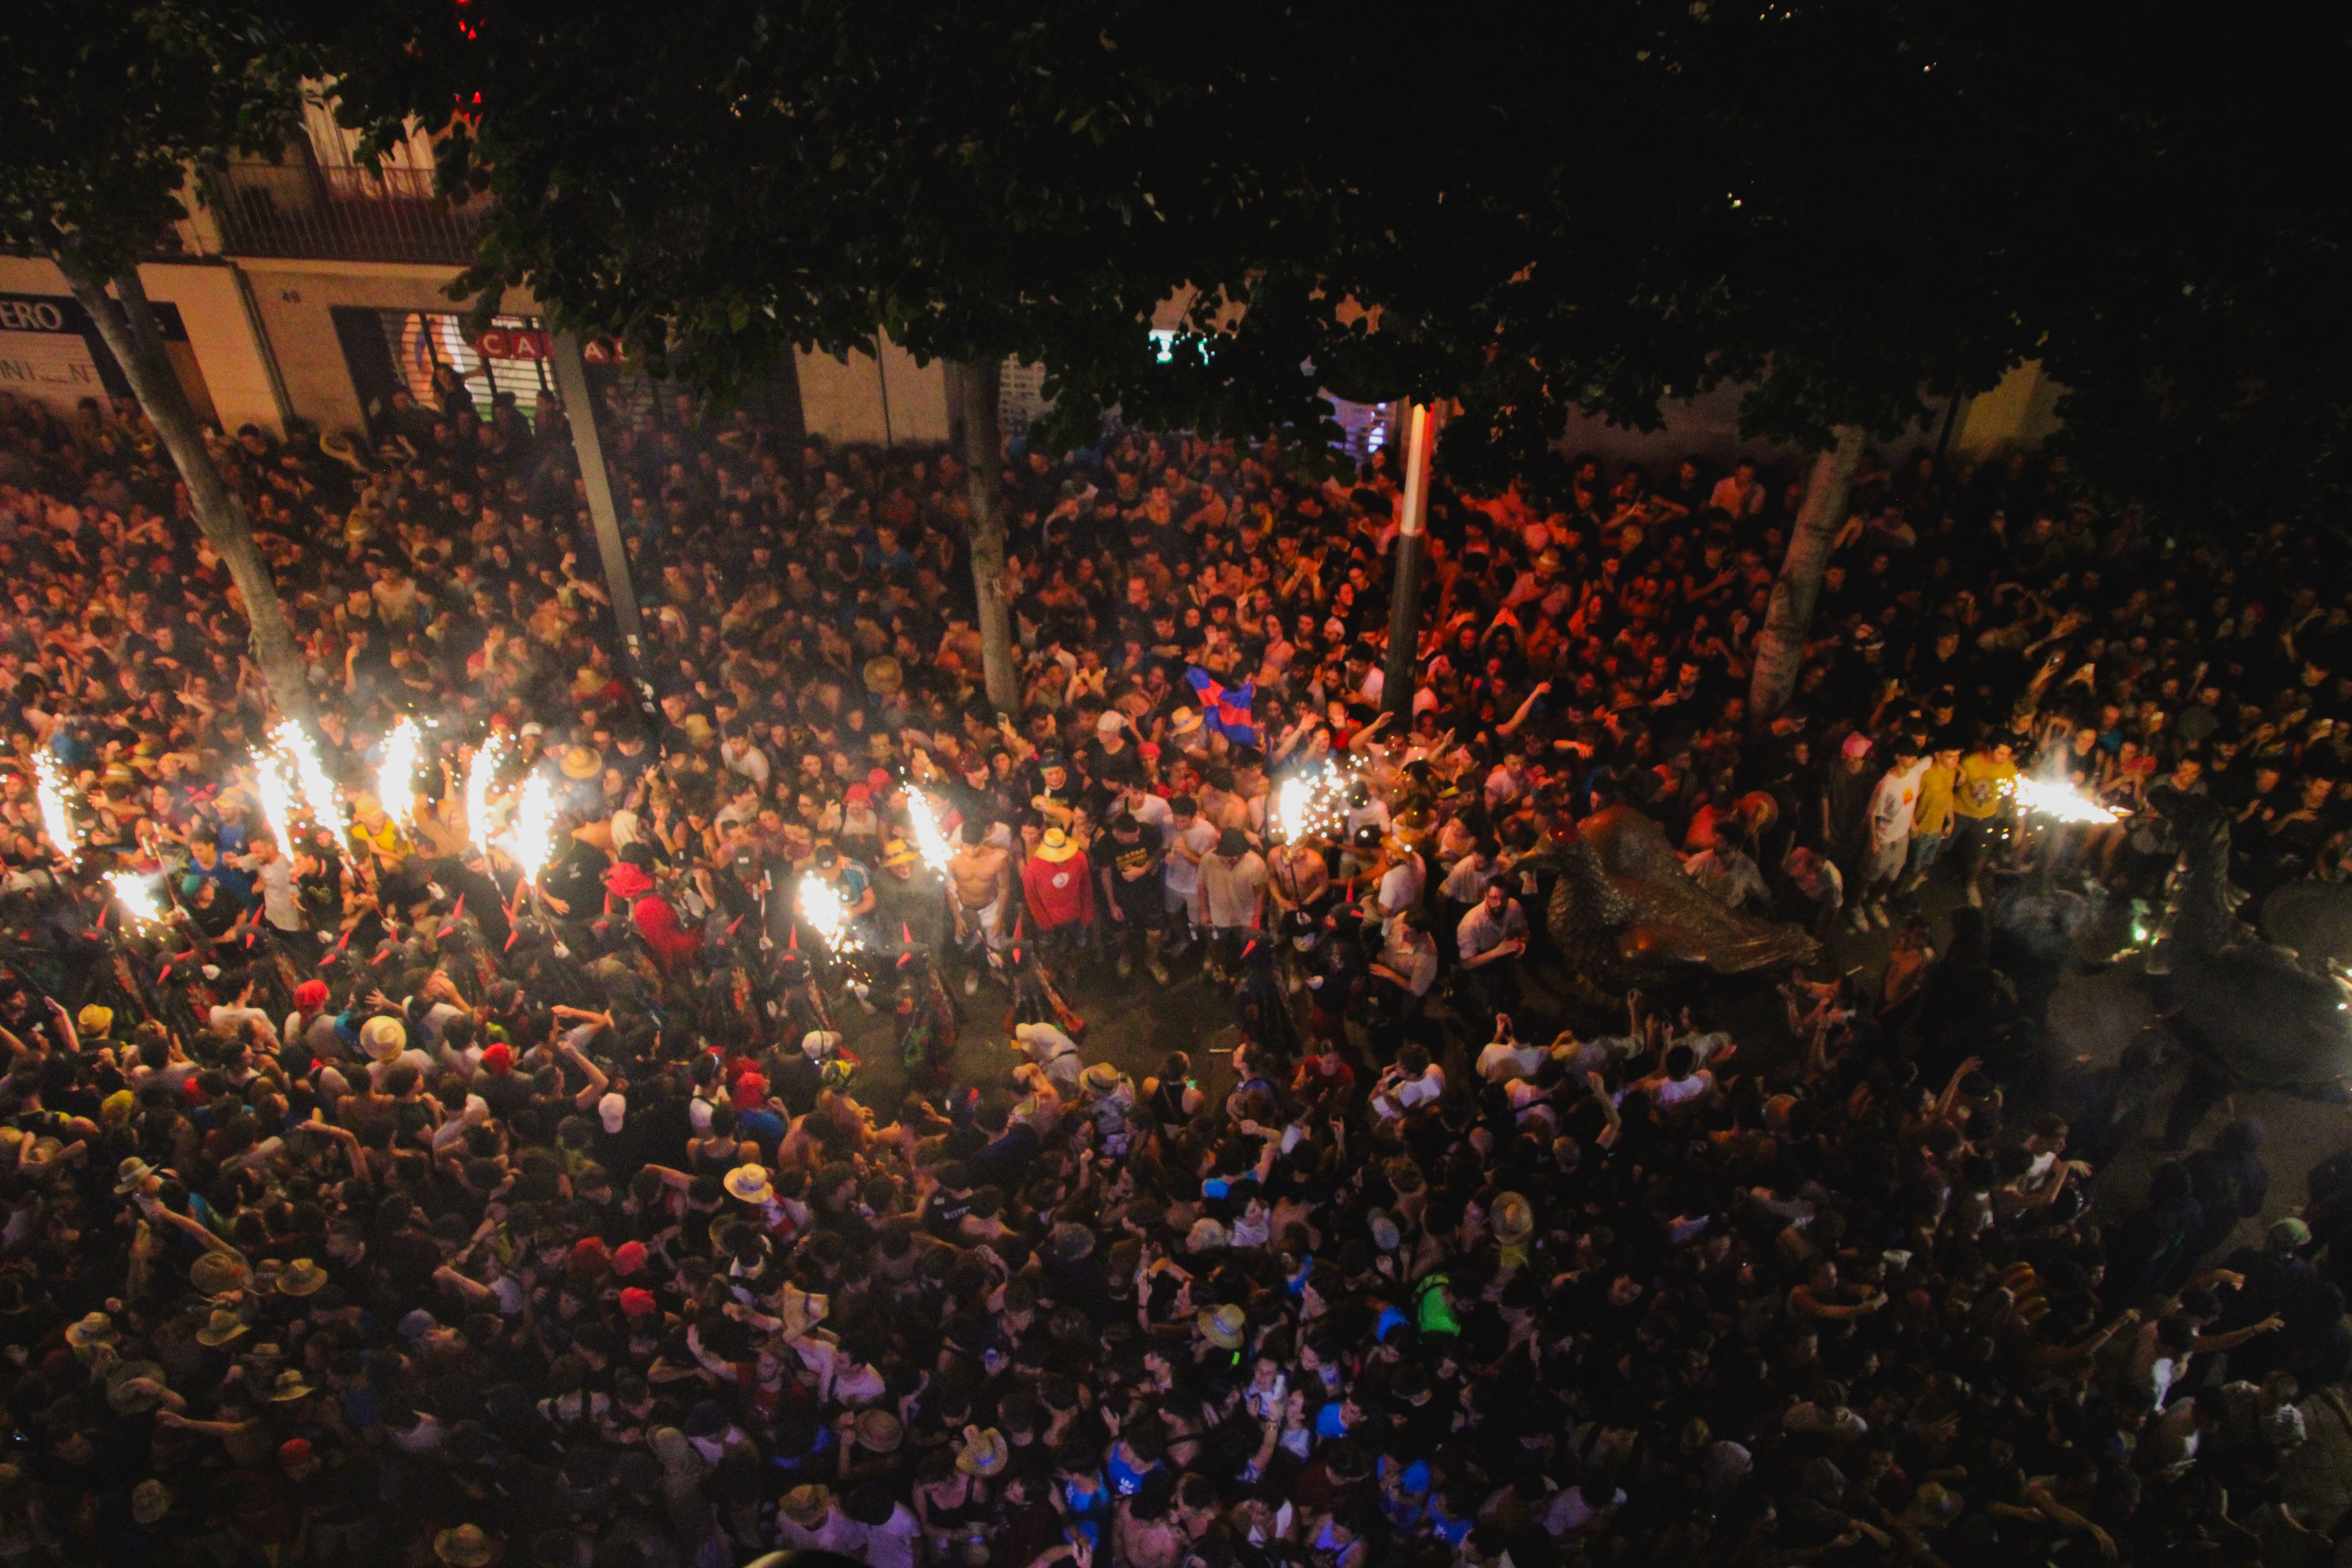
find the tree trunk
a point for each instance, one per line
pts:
(127, 323)
(1780, 643)
(972, 391)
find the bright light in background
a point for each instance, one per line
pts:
(2058, 801)
(821, 905)
(276, 795)
(326, 807)
(140, 896)
(929, 842)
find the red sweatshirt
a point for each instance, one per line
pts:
(1060, 892)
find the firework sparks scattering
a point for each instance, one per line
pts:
(821, 906)
(929, 842)
(486, 757)
(2058, 801)
(310, 776)
(395, 780)
(276, 795)
(1309, 804)
(534, 827)
(137, 894)
(49, 788)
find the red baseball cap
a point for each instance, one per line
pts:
(628, 1258)
(500, 1058)
(637, 1302)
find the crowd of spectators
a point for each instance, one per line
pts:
(373, 1209)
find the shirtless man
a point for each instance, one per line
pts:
(981, 876)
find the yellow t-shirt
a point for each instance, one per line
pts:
(1931, 814)
(1979, 793)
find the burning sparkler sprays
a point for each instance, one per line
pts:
(479, 777)
(1310, 803)
(2057, 801)
(395, 779)
(49, 790)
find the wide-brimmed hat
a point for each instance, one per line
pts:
(126, 1399)
(1102, 1077)
(1514, 1219)
(880, 1432)
(465, 1547)
(984, 1453)
(1183, 722)
(883, 676)
(1224, 1327)
(583, 762)
(94, 1021)
(749, 1183)
(302, 1278)
(383, 1038)
(218, 1273)
(222, 1326)
(94, 1328)
(289, 1386)
(804, 1309)
(130, 1174)
(806, 1505)
(1057, 846)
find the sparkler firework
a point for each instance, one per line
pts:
(139, 895)
(1309, 803)
(277, 799)
(821, 905)
(50, 789)
(319, 794)
(534, 827)
(929, 842)
(478, 777)
(395, 780)
(2058, 801)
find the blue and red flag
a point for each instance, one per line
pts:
(1225, 708)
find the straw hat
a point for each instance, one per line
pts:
(1514, 1219)
(883, 676)
(1183, 722)
(583, 762)
(807, 1505)
(880, 1432)
(749, 1183)
(985, 1454)
(464, 1547)
(804, 1309)
(383, 1038)
(94, 1022)
(127, 1400)
(302, 1278)
(1224, 1326)
(216, 1274)
(129, 1174)
(222, 1326)
(1057, 846)
(95, 1328)
(1102, 1077)
(289, 1386)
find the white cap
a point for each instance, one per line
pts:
(819, 1044)
(610, 1110)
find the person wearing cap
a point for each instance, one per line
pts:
(1842, 818)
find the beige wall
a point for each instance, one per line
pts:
(846, 401)
(233, 361)
(295, 299)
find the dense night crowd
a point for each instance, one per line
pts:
(373, 1208)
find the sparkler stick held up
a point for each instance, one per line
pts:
(929, 842)
(534, 828)
(821, 905)
(139, 894)
(2058, 801)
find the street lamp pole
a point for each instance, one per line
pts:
(572, 381)
(1400, 671)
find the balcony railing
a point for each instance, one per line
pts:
(304, 209)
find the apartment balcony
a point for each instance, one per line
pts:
(307, 209)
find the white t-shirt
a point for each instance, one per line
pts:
(1401, 887)
(891, 1543)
